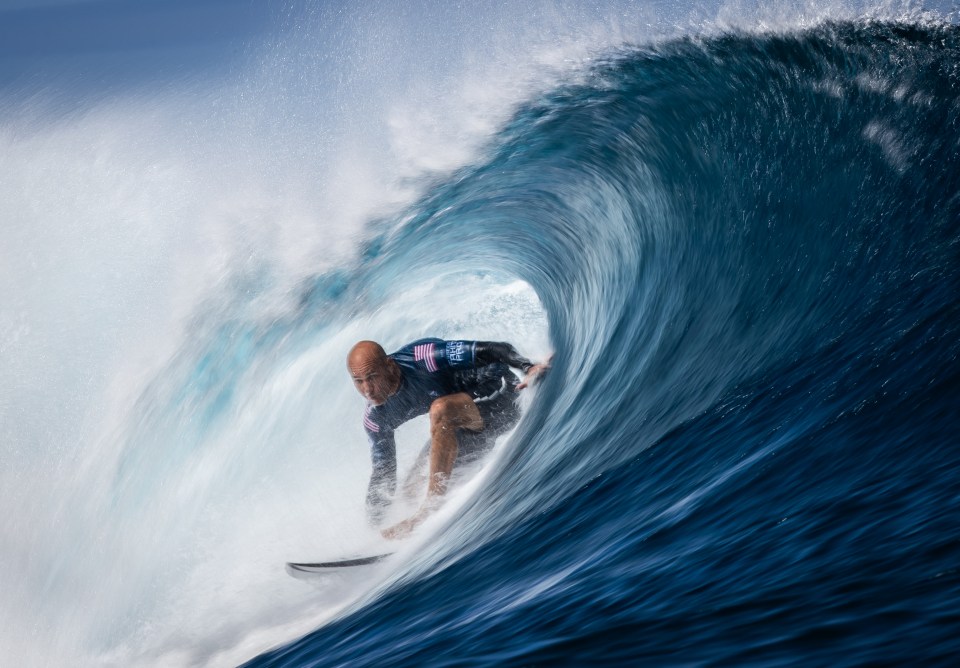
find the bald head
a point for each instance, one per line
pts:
(374, 374)
(365, 353)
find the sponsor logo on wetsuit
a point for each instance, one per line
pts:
(457, 352)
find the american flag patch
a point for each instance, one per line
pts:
(424, 353)
(368, 421)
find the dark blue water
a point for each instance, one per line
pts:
(748, 248)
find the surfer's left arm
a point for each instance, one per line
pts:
(490, 352)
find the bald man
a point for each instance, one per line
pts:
(468, 390)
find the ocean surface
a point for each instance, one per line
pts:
(743, 249)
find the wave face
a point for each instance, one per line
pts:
(747, 250)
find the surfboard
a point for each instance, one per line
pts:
(297, 568)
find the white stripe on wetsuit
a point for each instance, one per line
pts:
(491, 397)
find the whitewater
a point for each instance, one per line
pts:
(737, 229)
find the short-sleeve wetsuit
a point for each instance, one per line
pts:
(433, 368)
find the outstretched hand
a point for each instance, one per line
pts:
(404, 528)
(535, 374)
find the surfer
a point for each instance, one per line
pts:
(469, 391)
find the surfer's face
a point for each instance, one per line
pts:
(376, 382)
(374, 374)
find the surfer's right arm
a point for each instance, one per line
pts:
(383, 477)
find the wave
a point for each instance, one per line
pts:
(742, 248)
(746, 249)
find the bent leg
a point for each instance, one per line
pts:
(447, 414)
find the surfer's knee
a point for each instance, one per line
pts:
(442, 412)
(454, 410)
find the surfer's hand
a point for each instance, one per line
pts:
(535, 374)
(397, 531)
(403, 529)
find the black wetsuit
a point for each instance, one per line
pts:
(432, 368)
